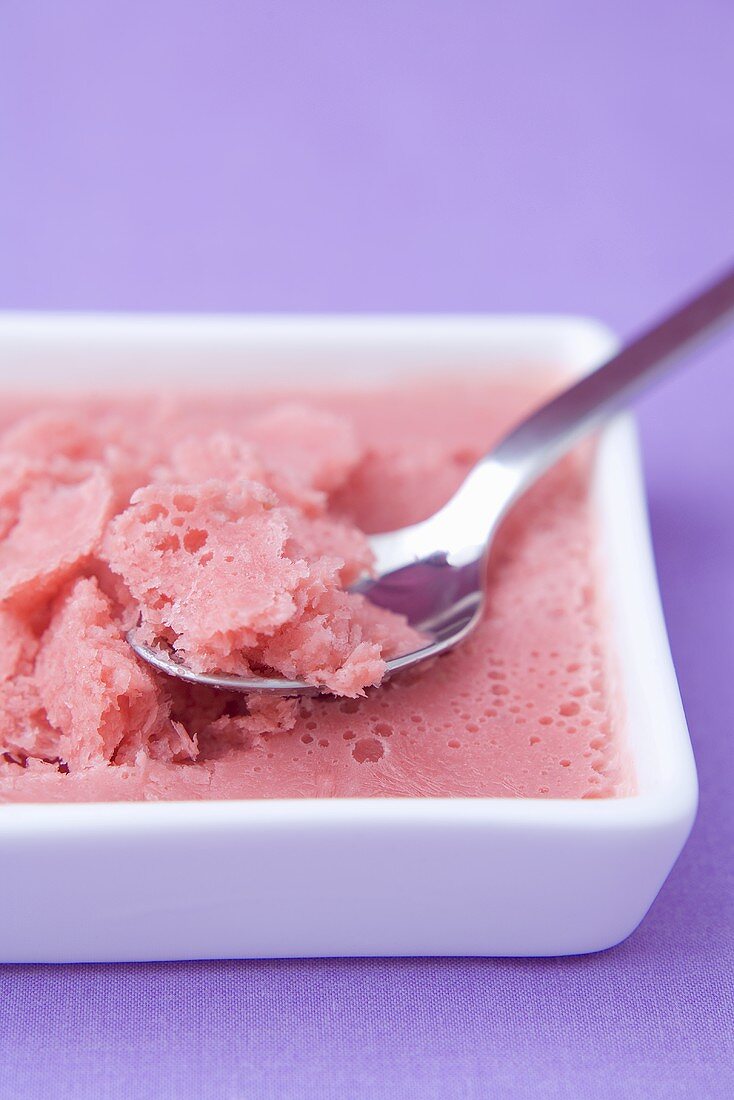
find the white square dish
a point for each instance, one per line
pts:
(481, 876)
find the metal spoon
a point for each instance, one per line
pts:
(434, 572)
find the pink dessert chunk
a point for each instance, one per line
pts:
(102, 700)
(235, 582)
(57, 529)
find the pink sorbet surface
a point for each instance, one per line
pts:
(230, 525)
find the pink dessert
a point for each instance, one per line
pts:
(228, 528)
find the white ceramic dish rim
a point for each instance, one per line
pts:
(665, 771)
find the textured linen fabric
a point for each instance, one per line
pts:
(405, 155)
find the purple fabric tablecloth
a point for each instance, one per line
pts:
(404, 155)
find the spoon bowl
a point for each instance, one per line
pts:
(443, 602)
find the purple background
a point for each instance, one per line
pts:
(402, 155)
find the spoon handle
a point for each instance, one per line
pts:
(553, 428)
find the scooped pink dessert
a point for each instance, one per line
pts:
(229, 529)
(237, 582)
